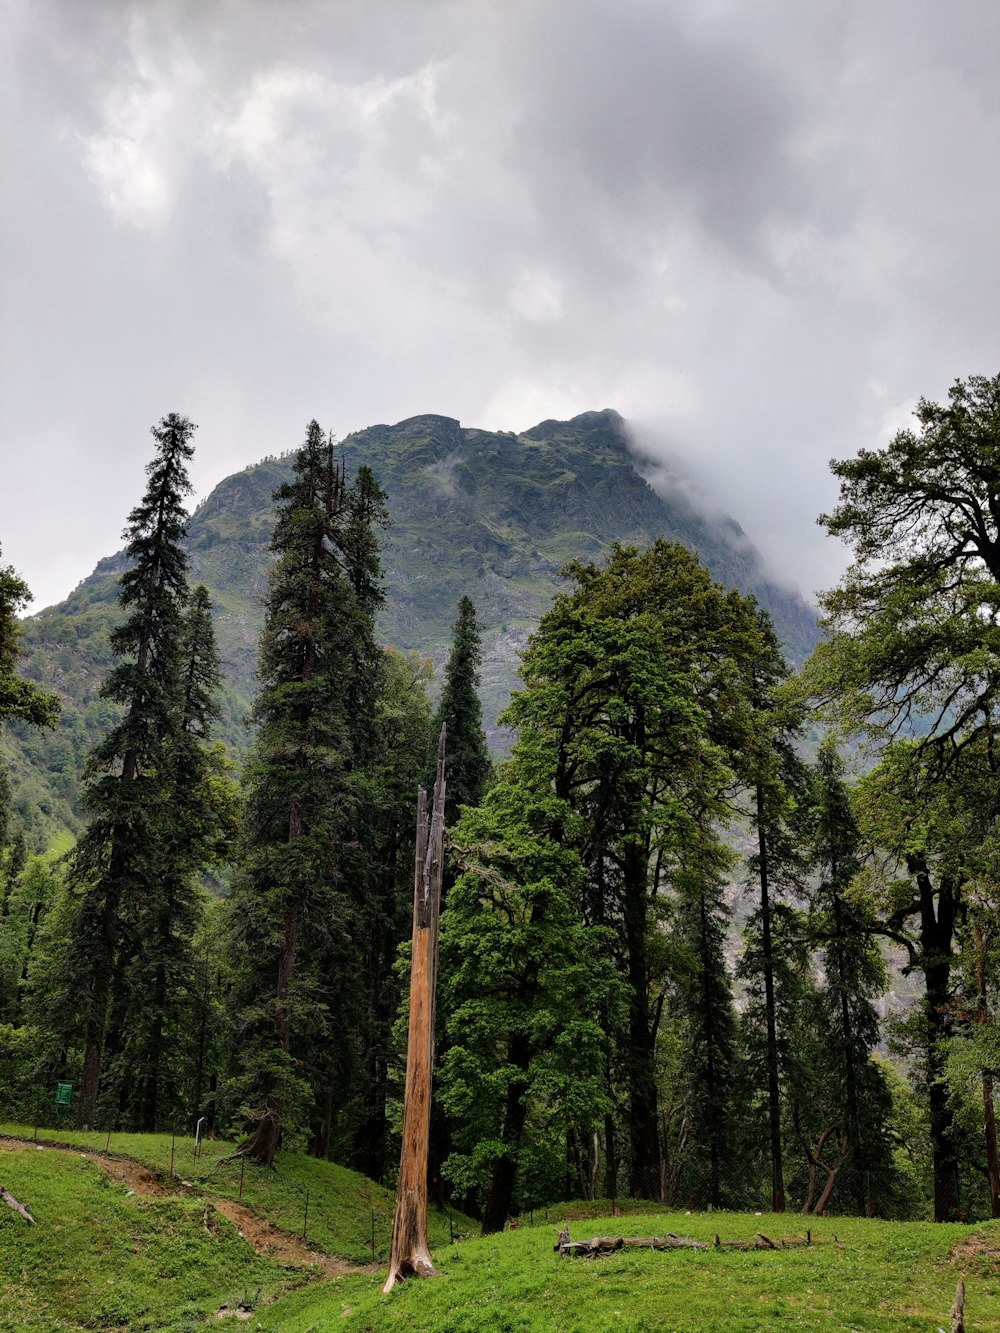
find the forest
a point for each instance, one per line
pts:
(714, 933)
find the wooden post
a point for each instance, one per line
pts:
(410, 1252)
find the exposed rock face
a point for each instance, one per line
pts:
(491, 514)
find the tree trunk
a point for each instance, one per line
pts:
(989, 1110)
(263, 1143)
(773, 1090)
(857, 1148)
(500, 1195)
(936, 935)
(151, 1085)
(610, 1156)
(410, 1251)
(715, 1094)
(644, 1129)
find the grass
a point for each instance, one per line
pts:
(881, 1277)
(342, 1204)
(100, 1259)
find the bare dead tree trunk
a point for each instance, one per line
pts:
(410, 1251)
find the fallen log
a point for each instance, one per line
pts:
(668, 1242)
(599, 1245)
(18, 1207)
(609, 1244)
(591, 1249)
(958, 1308)
(763, 1242)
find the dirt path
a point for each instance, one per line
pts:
(257, 1231)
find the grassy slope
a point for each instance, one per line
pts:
(101, 1259)
(883, 1276)
(341, 1202)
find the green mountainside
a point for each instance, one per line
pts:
(491, 514)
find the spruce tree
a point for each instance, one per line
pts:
(778, 781)
(854, 976)
(461, 712)
(469, 767)
(296, 903)
(117, 860)
(703, 997)
(166, 918)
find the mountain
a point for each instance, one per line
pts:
(491, 514)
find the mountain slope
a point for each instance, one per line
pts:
(491, 514)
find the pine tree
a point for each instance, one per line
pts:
(854, 976)
(403, 719)
(460, 711)
(778, 780)
(355, 978)
(297, 898)
(703, 997)
(203, 822)
(117, 859)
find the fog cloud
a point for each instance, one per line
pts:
(758, 230)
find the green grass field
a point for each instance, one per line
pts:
(881, 1276)
(101, 1258)
(341, 1202)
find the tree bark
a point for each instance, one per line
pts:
(989, 1109)
(644, 1128)
(773, 1090)
(937, 927)
(410, 1250)
(17, 1206)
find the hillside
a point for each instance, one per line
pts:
(120, 1242)
(491, 514)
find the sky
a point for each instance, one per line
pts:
(759, 229)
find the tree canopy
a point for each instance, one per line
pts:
(915, 623)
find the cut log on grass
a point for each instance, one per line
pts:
(18, 1207)
(600, 1245)
(410, 1251)
(591, 1249)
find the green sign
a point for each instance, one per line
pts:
(64, 1094)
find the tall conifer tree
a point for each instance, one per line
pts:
(461, 712)
(116, 861)
(167, 917)
(295, 917)
(778, 782)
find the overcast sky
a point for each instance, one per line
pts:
(760, 229)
